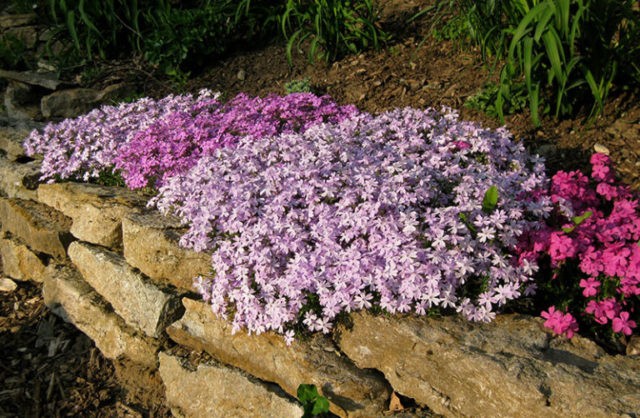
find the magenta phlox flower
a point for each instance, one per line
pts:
(561, 247)
(601, 168)
(559, 322)
(604, 310)
(615, 259)
(590, 286)
(623, 324)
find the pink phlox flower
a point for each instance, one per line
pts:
(590, 286)
(461, 145)
(623, 324)
(601, 168)
(607, 191)
(616, 259)
(559, 322)
(561, 247)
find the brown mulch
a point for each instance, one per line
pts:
(48, 368)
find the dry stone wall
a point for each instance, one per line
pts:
(115, 270)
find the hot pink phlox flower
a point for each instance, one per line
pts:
(601, 168)
(590, 286)
(615, 259)
(574, 187)
(559, 322)
(561, 247)
(623, 324)
(591, 263)
(460, 145)
(595, 308)
(607, 191)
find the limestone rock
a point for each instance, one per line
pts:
(69, 296)
(351, 391)
(135, 298)
(11, 142)
(150, 244)
(15, 20)
(97, 211)
(19, 99)
(70, 103)
(19, 180)
(47, 80)
(19, 262)
(7, 285)
(28, 35)
(208, 390)
(506, 368)
(40, 227)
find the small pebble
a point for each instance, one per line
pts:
(7, 285)
(601, 149)
(241, 75)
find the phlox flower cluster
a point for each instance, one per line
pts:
(382, 211)
(83, 147)
(174, 144)
(595, 232)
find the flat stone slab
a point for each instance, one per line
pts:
(40, 227)
(70, 297)
(19, 180)
(209, 390)
(13, 20)
(507, 368)
(97, 211)
(19, 262)
(69, 103)
(150, 242)
(352, 392)
(47, 80)
(140, 302)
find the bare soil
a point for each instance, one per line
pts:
(49, 368)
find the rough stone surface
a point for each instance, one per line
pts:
(135, 298)
(14, 20)
(70, 103)
(19, 262)
(150, 244)
(47, 80)
(28, 35)
(19, 180)
(11, 142)
(40, 227)
(351, 391)
(7, 285)
(19, 101)
(97, 211)
(507, 368)
(69, 296)
(208, 390)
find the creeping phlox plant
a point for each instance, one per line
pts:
(148, 141)
(175, 143)
(404, 211)
(83, 147)
(591, 242)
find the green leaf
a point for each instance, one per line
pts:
(321, 406)
(490, 200)
(307, 393)
(577, 220)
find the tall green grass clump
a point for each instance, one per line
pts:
(565, 56)
(173, 36)
(333, 28)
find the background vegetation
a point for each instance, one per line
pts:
(559, 58)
